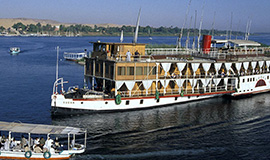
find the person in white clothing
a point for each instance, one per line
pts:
(128, 54)
(48, 143)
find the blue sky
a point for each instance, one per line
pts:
(154, 12)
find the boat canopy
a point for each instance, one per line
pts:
(38, 128)
(218, 41)
(244, 42)
(237, 42)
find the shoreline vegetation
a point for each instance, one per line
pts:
(19, 29)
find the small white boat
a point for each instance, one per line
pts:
(62, 149)
(74, 56)
(14, 50)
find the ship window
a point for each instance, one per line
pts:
(154, 71)
(260, 83)
(243, 80)
(145, 71)
(121, 70)
(97, 67)
(141, 101)
(130, 70)
(157, 100)
(107, 68)
(112, 71)
(127, 102)
(253, 79)
(248, 80)
(267, 77)
(139, 70)
(148, 71)
(81, 102)
(188, 97)
(175, 98)
(106, 102)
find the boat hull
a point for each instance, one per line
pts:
(252, 84)
(61, 105)
(21, 155)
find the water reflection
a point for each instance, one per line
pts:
(215, 123)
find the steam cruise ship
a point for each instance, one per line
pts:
(164, 76)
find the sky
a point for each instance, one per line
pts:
(154, 13)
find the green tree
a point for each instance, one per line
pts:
(18, 26)
(2, 28)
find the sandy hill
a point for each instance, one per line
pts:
(8, 22)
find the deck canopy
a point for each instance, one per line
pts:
(219, 41)
(236, 42)
(244, 42)
(39, 128)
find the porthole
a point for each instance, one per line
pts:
(81, 102)
(106, 102)
(127, 102)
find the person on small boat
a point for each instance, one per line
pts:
(13, 143)
(52, 150)
(42, 142)
(6, 145)
(17, 148)
(23, 142)
(48, 143)
(128, 54)
(37, 149)
(26, 148)
(36, 142)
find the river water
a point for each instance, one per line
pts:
(220, 128)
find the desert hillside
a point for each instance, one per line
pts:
(8, 22)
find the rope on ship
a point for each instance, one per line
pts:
(118, 99)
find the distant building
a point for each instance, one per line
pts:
(57, 28)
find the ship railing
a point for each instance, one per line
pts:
(184, 77)
(140, 58)
(186, 90)
(167, 51)
(59, 81)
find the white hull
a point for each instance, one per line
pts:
(59, 101)
(21, 155)
(245, 87)
(247, 84)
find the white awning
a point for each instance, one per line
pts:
(244, 43)
(38, 128)
(219, 41)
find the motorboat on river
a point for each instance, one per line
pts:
(74, 56)
(27, 148)
(14, 50)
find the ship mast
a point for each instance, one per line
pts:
(137, 28)
(182, 29)
(187, 40)
(231, 25)
(199, 36)
(211, 32)
(57, 57)
(122, 36)
(194, 30)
